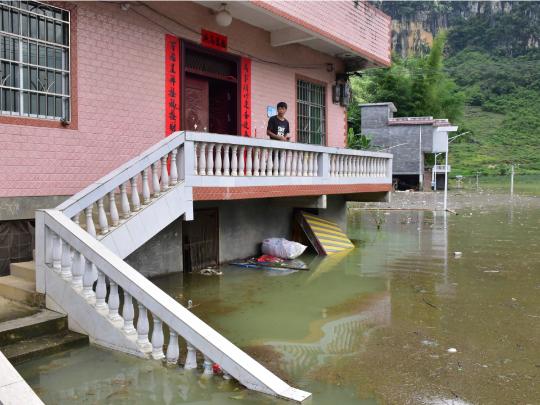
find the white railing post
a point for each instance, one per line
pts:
(65, 271)
(77, 270)
(114, 302)
(207, 367)
(191, 358)
(276, 162)
(164, 173)
(202, 158)
(124, 202)
(299, 164)
(241, 157)
(143, 327)
(294, 163)
(88, 280)
(270, 162)
(264, 160)
(324, 165)
(173, 350)
(90, 227)
(128, 314)
(135, 200)
(218, 165)
(256, 161)
(310, 164)
(57, 253)
(282, 162)
(155, 179)
(113, 211)
(316, 164)
(210, 160)
(157, 339)
(181, 163)
(101, 292)
(249, 161)
(174, 168)
(288, 163)
(102, 218)
(226, 160)
(145, 187)
(234, 160)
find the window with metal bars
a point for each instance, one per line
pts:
(34, 60)
(310, 112)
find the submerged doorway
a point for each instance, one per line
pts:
(200, 240)
(210, 88)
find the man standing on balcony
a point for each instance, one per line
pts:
(278, 126)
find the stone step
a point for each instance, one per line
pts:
(42, 323)
(18, 289)
(43, 345)
(24, 270)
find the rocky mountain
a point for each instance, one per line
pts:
(489, 25)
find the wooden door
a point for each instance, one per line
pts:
(196, 104)
(201, 240)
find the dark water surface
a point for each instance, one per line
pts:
(372, 326)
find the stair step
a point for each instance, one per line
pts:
(42, 323)
(43, 345)
(24, 270)
(18, 289)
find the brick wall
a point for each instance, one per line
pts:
(120, 94)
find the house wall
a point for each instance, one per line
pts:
(243, 225)
(119, 91)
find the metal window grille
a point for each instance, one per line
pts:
(311, 112)
(34, 60)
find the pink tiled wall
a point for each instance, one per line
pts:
(120, 74)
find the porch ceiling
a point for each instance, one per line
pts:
(283, 31)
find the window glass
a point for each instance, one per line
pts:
(34, 48)
(311, 112)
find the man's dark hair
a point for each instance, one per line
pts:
(282, 104)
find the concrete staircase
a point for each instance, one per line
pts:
(43, 333)
(20, 285)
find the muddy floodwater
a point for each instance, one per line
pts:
(402, 319)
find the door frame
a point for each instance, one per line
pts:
(214, 210)
(186, 45)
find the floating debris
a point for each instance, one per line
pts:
(457, 255)
(452, 350)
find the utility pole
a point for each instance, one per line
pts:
(420, 165)
(512, 181)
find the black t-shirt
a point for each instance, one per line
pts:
(277, 126)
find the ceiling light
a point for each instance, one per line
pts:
(223, 17)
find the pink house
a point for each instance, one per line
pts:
(138, 129)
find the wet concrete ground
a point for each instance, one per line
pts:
(373, 326)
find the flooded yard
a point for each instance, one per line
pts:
(401, 319)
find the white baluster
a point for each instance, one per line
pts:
(128, 314)
(181, 162)
(282, 162)
(299, 164)
(218, 165)
(76, 218)
(196, 158)
(65, 271)
(276, 162)
(305, 164)
(294, 163)
(226, 376)
(143, 327)
(241, 160)
(135, 201)
(113, 211)
(264, 158)
(145, 187)
(102, 218)
(155, 179)
(77, 270)
(124, 202)
(101, 292)
(332, 165)
(370, 167)
(310, 164)
(288, 162)
(174, 168)
(207, 367)
(316, 164)
(202, 159)
(114, 302)
(270, 162)
(226, 161)
(57, 253)
(191, 358)
(362, 167)
(348, 165)
(88, 280)
(256, 161)
(164, 173)
(210, 160)
(173, 351)
(157, 339)
(234, 160)
(341, 166)
(90, 227)
(249, 161)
